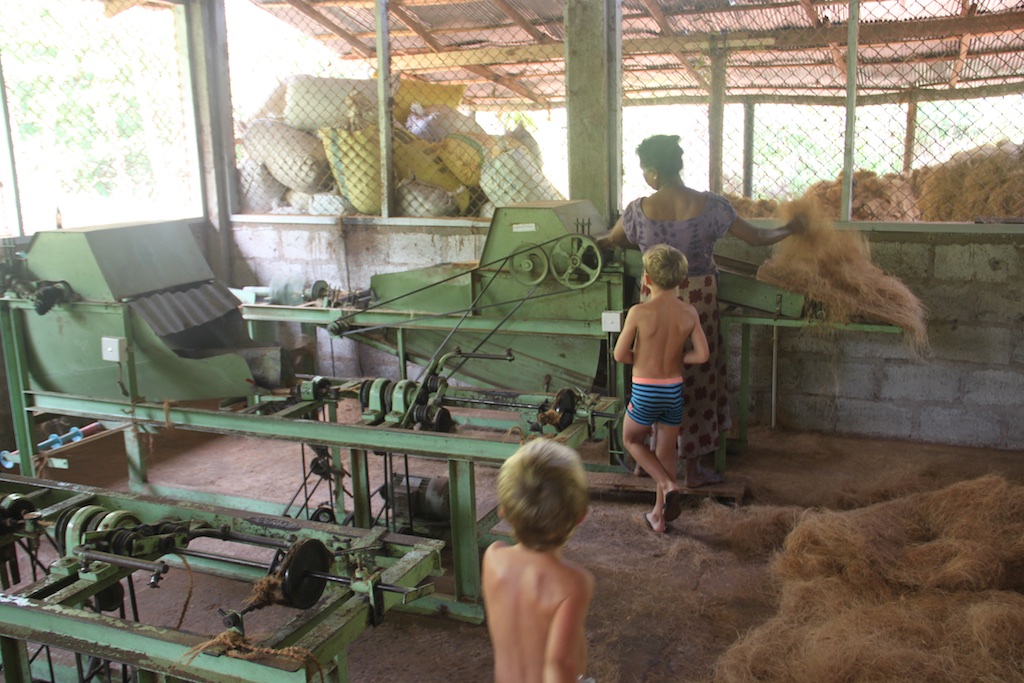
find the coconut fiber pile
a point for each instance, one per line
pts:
(873, 198)
(986, 183)
(927, 587)
(833, 268)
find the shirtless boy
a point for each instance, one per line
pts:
(653, 340)
(535, 600)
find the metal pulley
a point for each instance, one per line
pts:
(13, 509)
(315, 389)
(301, 570)
(576, 261)
(560, 413)
(529, 265)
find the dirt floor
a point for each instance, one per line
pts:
(667, 606)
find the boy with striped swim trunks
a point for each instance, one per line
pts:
(654, 340)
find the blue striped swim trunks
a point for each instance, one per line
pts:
(656, 400)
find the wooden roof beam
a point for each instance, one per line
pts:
(654, 9)
(786, 39)
(327, 23)
(483, 71)
(522, 23)
(833, 48)
(967, 10)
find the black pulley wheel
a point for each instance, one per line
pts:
(323, 514)
(443, 421)
(298, 586)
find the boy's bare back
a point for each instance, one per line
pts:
(655, 334)
(536, 605)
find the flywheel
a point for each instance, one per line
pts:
(575, 261)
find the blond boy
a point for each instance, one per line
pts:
(535, 600)
(654, 340)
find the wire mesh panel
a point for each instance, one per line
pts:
(476, 90)
(498, 62)
(99, 113)
(101, 122)
(944, 143)
(288, 83)
(939, 85)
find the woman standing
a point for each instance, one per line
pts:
(692, 222)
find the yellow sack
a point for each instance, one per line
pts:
(428, 94)
(465, 153)
(415, 158)
(354, 158)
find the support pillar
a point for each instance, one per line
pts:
(593, 84)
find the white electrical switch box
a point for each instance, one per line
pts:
(115, 349)
(611, 321)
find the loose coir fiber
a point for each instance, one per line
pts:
(833, 268)
(922, 588)
(982, 183)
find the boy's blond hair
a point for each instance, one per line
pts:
(665, 265)
(543, 493)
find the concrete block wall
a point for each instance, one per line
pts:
(965, 389)
(345, 254)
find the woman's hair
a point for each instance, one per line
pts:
(543, 493)
(665, 265)
(661, 153)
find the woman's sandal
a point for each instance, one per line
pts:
(673, 505)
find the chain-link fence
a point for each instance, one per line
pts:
(465, 133)
(939, 87)
(99, 115)
(101, 125)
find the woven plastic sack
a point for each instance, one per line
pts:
(354, 159)
(296, 159)
(464, 155)
(434, 122)
(522, 136)
(513, 177)
(417, 159)
(320, 204)
(425, 94)
(261, 191)
(313, 103)
(273, 106)
(414, 198)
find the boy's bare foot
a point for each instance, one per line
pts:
(652, 527)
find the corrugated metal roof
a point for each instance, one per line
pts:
(509, 53)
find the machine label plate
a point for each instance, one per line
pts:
(524, 227)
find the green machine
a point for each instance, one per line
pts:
(537, 294)
(127, 325)
(127, 312)
(322, 585)
(94, 296)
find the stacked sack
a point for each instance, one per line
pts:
(315, 148)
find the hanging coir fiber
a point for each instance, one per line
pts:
(833, 269)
